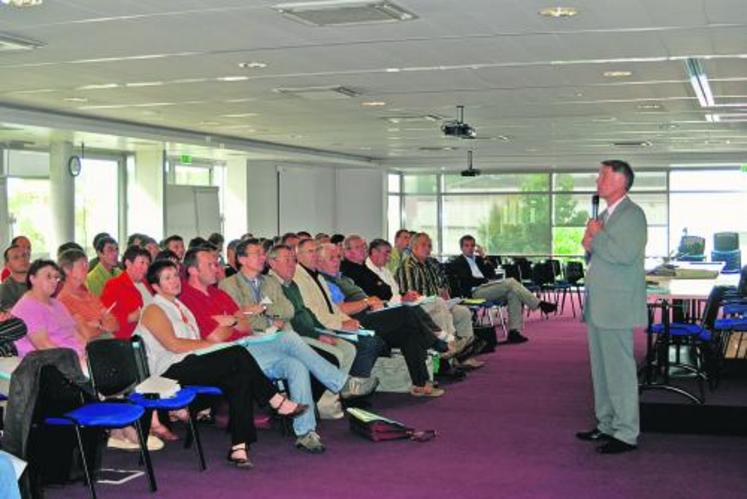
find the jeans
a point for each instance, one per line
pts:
(289, 357)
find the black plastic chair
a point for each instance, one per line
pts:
(574, 275)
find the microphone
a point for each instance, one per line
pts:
(595, 206)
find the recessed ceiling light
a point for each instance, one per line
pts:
(238, 115)
(393, 70)
(232, 78)
(253, 65)
(617, 74)
(22, 3)
(208, 123)
(75, 99)
(558, 12)
(373, 103)
(102, 86)
(144, 84)
(649, 107)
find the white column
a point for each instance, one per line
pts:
(236, 208)
(145, 212)
(61, 196)
(262, 198)
(4, 222)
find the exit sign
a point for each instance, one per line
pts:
(743, 168)
(185, 159)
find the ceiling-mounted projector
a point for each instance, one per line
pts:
(470, 171)
(458, 128)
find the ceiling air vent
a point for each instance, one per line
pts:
(413, 118)
(319, 93)
(344, 12)
(10, 43)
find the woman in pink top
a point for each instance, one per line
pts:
(49, 323)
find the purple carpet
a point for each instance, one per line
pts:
(507, 431)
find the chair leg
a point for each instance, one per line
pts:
(145, 455)
(86, 471)
(198, 444)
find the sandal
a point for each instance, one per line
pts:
(163, 433)
(240, 462)
(295, 412)
(426, 390)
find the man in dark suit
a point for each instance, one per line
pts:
(477, 279)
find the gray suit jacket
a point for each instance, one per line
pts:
(616, 280)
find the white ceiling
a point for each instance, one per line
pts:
(532, 80)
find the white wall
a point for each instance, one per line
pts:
(361, 202)
(315, 199)
(235, 209)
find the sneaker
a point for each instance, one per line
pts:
(311, 442)
(359, 387)
(329, 406)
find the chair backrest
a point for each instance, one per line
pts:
(557, 268)
(496, 260)
(574, 272)
(542, 273)
(511, 270)
(691, 245)
(725, 241)
(742, 286)
(525, 267)
(713, 305)
(455, 285)
(141, 356)
(113, 366)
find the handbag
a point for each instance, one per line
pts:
(379, 429)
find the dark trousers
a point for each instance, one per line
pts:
(404, 328)
(234, 371)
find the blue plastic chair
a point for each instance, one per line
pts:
(114, 372)
(104, 415)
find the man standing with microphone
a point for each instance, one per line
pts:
(615, 304)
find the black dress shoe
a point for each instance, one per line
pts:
(516, 337)
(615, 446)
(548, 307)
(592, 436)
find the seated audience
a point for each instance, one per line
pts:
(421, 273)
(21, 241)
(231, 264)
(290, 239)
(220, 319)
(172, 339)
(107, 252)
(17, 261)
(93, 319)
(407, 328)
(477, 278)
(152, 246)
(95, 260)
(49, 323)
(126, 294)
(174, 243)
(401, 247)
(70, 245)
(217, 240)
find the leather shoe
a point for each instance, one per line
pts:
(615, 446)
(593, 436)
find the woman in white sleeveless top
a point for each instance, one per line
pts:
(171, 336)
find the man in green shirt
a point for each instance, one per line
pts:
(107, 251)
(401, 244)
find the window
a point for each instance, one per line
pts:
(519, 182)
(191, 175)
(30, 214)
(420, 214)
(96, 200)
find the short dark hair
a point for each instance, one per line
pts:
(286, 236)
(232, 245)
(39, 264)
(273, 253)
(156, 268)
(216, 238)
(103, 241)
(378, 243)
(6, 253)
(400, 232)
(623, 167)
(135, 237)
(303, 233)
(133, 252)
(99, 236)
(174, 237)
(190, 257)
(337, 238)
(305, 242)
(241, 247)
(197, 241)
(70, 245)
(67, 258)
(166, 254)
(465, 238)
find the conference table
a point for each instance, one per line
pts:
(691, 283)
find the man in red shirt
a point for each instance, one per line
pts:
(285, 357)
(127, 293)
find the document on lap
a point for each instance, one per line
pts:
(270, 334)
